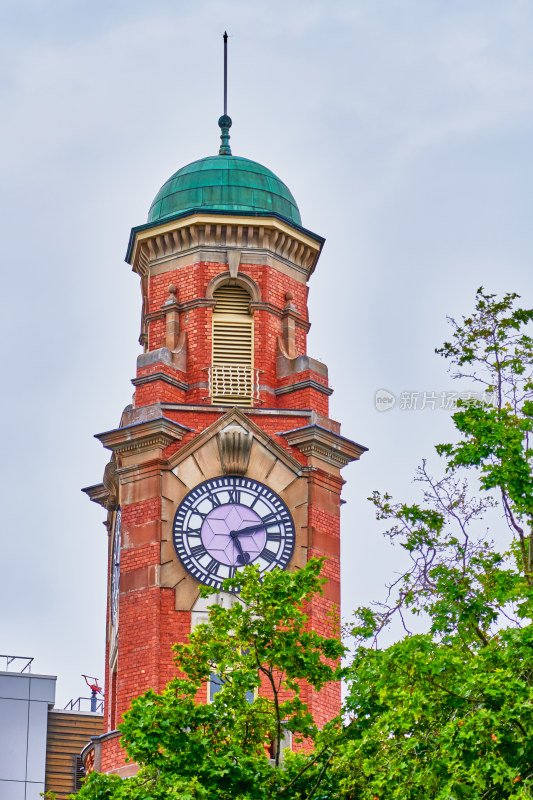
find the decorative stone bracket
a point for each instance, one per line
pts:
(234, 446)
(106, 494)
(234, 261)
(111, 483)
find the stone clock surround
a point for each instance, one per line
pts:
(137, 477)
(201, 460)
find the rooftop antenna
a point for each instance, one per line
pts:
(225, 121)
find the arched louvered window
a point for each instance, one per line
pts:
(232, 373)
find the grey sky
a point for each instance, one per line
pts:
(403, 129)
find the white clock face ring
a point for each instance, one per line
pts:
(226, 523)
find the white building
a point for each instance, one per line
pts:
(25, 700)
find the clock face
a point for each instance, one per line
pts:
(115, 568)
(228, 522)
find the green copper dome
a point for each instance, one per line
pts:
(224, 183)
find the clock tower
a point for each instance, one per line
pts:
(227, 454)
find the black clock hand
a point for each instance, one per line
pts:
(242, 558)
(253, 528)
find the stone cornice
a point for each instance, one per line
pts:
(198, 302)
(278, 312)
(308, 383)
(152, 244)
(147, 435)
(252, 411)
(160, 376)
(98, 494)
(153, 315)
(318, 442)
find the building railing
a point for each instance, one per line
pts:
(232, 384)
(15, 663)
(96, 706)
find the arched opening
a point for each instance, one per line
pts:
(232, 372)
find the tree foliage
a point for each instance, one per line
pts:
(448, 713)
(230, 747)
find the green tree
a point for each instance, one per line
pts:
(218, 750)
(448, 713)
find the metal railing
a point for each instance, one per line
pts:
(85, 704)
(228, 383)
(15, 663)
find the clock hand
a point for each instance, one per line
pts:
(252, 529)
(242, 558)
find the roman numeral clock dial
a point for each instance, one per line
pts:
(226, 523)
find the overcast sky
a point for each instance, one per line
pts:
(403, 129)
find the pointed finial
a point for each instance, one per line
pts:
(225, 121)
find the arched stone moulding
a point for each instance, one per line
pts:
(240, 280)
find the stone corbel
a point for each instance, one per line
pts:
(234, 447)
(234, 262)
(110, 483)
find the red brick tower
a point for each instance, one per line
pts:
(227, 455)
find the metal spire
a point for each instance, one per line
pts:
(225, 121)
(225, 37)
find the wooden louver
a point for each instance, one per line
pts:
(232, 300)
(232, 374)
